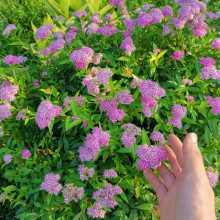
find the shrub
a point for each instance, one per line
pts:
(80, 118)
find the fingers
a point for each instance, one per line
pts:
(192, 156)
(176, 146)
(156, 184)
(172, 160)
(167, 176)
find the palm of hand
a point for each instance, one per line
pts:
(179, 191)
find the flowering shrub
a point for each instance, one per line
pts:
(81, 119)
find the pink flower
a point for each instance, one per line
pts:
(8, 29)
(157, 136)
(215, 103)
(21, 115)
(7, 158)
(109, 174)
(189, 98)
(151, 157)
(5, 111)
(213, 177)
(43, 32)
(216, 43)
(45, 113)
(71, 192)
(177, 55)
(96, 211)
(124, 97)
(26, 154)
(51, 184)
(82, 57)
(8, 91)
(103, 76)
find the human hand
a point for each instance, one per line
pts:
(185, 193)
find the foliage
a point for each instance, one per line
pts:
(54, 149)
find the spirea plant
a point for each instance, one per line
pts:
(81, 118)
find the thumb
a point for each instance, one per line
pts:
(193, 162)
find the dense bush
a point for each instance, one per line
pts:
(77, 115)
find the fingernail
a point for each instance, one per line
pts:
(193, 138)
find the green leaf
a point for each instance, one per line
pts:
(145, 207)
(123, 196)
(10, 188)
(69, 123)
(16, 43)
(207, 135)
(125, 150)
(27, 216)
(74, 107)
(145, 138)
(188, 120)
(77, 217)
(124, 59)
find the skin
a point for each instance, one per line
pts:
(185, 193)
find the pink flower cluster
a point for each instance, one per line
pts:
(103, 76)
(167, 11)
(96, 211)
(108, 17)
(85, 172)
(216, 43)
(189, 98)
(106, 30)
(151, 157)
(128, 136)
(7, 158)
(200, 30)
(8, 91)
(82, 57)
(105, 197)
(92, 84)
(213, 177)
(157, 136)
(59, 18)
(136, 82)
(71, 35)
(10, 59)
(44, 74)
(124, 97)
(58, 34)
(43, 32)
(157, 51)
(26, 154)
(21, 115)
(8, 29)
(112, 111)
(5, 111)
(155, 16)
(94, 141)
(36, 82)
(128, 45)
(47, 112)
(51, 184)
(178, 112)
(209, 70)
(92, 28)
(79, 14)
(215, 103)
(97, 58)
(177, 55)
(150, 90)
(71, 192)
(117, 3)
(109, 174)
(2, 196)
(187, 81)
